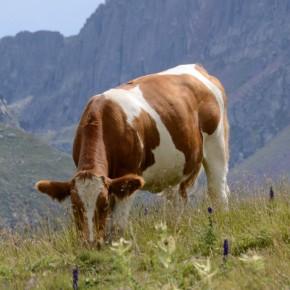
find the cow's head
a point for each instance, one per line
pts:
(90, 196)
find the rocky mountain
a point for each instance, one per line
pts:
(6, 116)
(244, 43)
(267, 164)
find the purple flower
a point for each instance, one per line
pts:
(209, 210)
(75, 278)
(226, 249)
(271, 193)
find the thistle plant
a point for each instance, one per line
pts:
(165, 248)
(253, 260)
(121, 247)
(204, 269)
(122, 250)
(166, 245)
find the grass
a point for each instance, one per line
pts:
(162, 250)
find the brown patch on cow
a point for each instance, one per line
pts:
(174, 99)
(148, 136)
(123, 149)
(225, 117)
(102, 213)
(85, 174)
(55, 189)
(89, 151)
(187, 182)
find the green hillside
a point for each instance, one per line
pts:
(272, 161)
(23, 161)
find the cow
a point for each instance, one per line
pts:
(152, 132)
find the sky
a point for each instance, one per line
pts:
(65, 16)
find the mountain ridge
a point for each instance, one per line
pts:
(243, 44)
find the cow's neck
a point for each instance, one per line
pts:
(93, 155)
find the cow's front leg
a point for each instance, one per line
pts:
(119, 216)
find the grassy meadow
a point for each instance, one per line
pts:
(162, 249)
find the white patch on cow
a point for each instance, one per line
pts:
(121, 212)
(213, 145)
(129, 101)
(88, 191)
(169, 161)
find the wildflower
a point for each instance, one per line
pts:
(271, 193)
(75, 278)
(162, 227)
(226, 249)
(210, 211)
(121, 247)
(167, 245)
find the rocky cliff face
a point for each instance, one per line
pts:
(244, 43)
(6, 116)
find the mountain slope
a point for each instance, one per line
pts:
(6, 116)
(244, 43)
(272, 161)
(23, 161)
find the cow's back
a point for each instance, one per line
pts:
(168, 112)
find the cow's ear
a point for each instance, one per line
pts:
(125, 185)
(55, 189)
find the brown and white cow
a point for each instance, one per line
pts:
(154, 131)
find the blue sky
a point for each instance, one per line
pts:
(66, 16)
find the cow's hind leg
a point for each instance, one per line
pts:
(189, 181)
(215, 162)
(195, 166)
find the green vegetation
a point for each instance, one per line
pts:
(23, 161)
(163, 249)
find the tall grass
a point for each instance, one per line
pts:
(162, 249)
